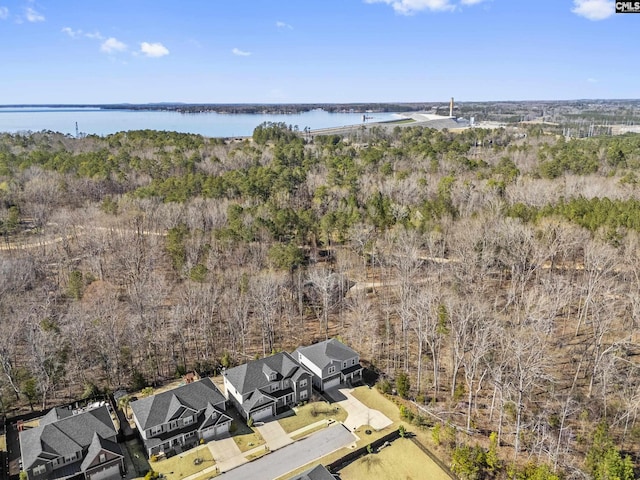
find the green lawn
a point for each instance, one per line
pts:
(400, 461)
(311, 413)
(183, 464)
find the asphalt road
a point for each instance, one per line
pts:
(293, 456)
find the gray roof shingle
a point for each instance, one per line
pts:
(182, 401)
(98, 444)
(69, 435)
(327, 352)
(319, 472)
(255, 374)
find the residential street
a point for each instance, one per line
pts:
(295, 455)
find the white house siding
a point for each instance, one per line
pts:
(231, 391)
(317, 372)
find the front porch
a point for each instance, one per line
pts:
(352, 374)
(284, 398)
(178, 444)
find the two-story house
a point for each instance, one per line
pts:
(331, 362)
(260, 387)
(68, 444)
(177, 419)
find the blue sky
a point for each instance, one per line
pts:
(272, 51)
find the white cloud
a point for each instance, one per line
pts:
(32, 15)
(409, 7)
(79, 33)
(94, 36)
(4, 13)
(593, 9)
(240, 53)
(154, 50)
(112, 45)
(284, 25)
(71, 32)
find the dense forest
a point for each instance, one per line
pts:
(491, 276)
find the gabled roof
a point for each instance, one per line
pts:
(214, 416)
(255, 374)
(99, 444)
(319, 472)
(209, 417)
(254, 400)
(327, 352)
(66, 436)
(55, 414)
(182, 401)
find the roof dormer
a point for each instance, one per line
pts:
(271, 374)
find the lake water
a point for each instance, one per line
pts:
(104, 122)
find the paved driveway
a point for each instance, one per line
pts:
(293, 456)
(273, 434)
(358, 413)
(223, 449)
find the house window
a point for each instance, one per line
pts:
(274, 388)
(103, 458)
(188, 420)
(303, 383)
(344, 365)
(39, 469)
(353, 361)
(332, 369)
(155, 430)
(303, 395)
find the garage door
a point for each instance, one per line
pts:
(220, 429)
(110, 473)
(334, 382)
(262, 413)
(209, 433)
